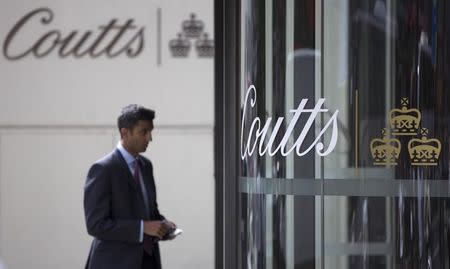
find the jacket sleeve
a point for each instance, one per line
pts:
(159, 216)
(97, 210)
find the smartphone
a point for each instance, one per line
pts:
(176, 232)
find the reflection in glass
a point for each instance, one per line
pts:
(380, 199)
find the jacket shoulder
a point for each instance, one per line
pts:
(104, 163)
(106, 160)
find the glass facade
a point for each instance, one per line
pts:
(343, 134)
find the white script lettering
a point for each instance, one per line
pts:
(258, 134)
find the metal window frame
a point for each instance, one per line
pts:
(226, 165)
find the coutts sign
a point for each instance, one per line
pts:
(95, 43)
(258, 139)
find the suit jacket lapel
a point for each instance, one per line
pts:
(123, 168)
(147, 178)
(149, 183)
(145, 169)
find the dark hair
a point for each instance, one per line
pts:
(131, 114)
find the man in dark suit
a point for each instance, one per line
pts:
(120, 205)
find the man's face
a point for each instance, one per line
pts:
(136, 140)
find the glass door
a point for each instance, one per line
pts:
(344, 134)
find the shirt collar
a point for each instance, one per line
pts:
(126, 155)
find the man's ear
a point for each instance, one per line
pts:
(123, 132)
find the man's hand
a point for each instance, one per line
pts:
(171, 225)
(156, 228)
(171, 228)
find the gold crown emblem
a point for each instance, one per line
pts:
(385, 151)
(424, 151)
(404, 121)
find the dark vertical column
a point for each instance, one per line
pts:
(443, 84)
(227, 25)
(253, 205)
(304, 87)
(367, 76)
(279, 108)
(405, 211)
(417, 217)
(432, 100)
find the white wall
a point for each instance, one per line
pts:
(57, 116)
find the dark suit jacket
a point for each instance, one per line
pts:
(113, 209)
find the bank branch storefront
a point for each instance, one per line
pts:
(334, 133)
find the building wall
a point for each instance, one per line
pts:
(58, 115)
